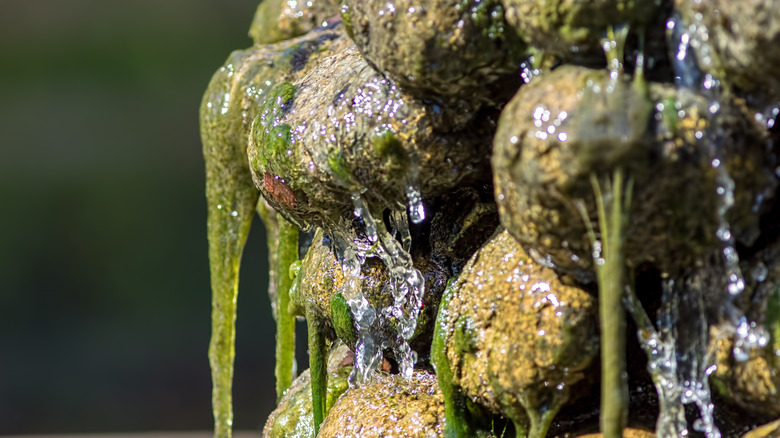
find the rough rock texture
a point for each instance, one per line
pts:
(388, 406)
(574, 28)
(343, 129)
(357, 129)
(575, 122)
(738, 41)
(292, 417)
(516, 339)
(445, 47)
(278, 20)
(456, 234)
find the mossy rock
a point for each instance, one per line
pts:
(753, 383)
(293, 417)
(343, 130)
(514, 338)
(388, 406)
(737, 41)
(576, 122)
(452, 48)
(278, 20)
(573, 29)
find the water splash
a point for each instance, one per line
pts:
(398, 321)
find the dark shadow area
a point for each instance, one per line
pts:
(104, 284)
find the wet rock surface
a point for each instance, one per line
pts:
(574, 28)
(344, 129)
(575, 122)
(292, 418)
(389, 406)
(450, 48)
(278, 20)
(739, 41)
(459, 238)
(515, 338)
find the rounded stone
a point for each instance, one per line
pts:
(574, 28)
(516, 339)
(575, 123)
(343, 130)
(389, 405)
(293, 416)
(445, 47)
(278, 20)
(738, 41)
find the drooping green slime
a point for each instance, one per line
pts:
(231, 199)
(318, 354)
(614, 388)
(287, 254)
(459, 411)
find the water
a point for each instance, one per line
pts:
(680, 351)
(398, 321)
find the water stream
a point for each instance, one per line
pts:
(393, 326)
(680, 350)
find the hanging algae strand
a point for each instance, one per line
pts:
(456, 405)
(609, 259)
(231, 199)
(287, 254)
(318, 353)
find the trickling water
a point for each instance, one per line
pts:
(680, 352)
(416, 208)
(407, 290)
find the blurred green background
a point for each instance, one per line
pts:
(104, 287)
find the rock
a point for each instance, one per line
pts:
(737, 41)
(753, 383)
(514, 339)
(769, 430)
(343, 130)
(278, 20)
(574, 122)
(573, 29)
(292, 418)
(388, 406)
(450, 48)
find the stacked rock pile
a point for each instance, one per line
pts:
(464, 198)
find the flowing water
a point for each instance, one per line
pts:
(680, 351)
(393, 326)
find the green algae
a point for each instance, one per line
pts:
(610, 272)
(231, 199)
(275, 139)
(318, 353)
(341, 316)
(287, 255)
(461, 414)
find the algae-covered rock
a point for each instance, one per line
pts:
(277, 20)
(388, 406)
(575, 122)
(343, 131)
(514, 338)
(738, 41)
(445, 47)
(574, 28)
(292, 417)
